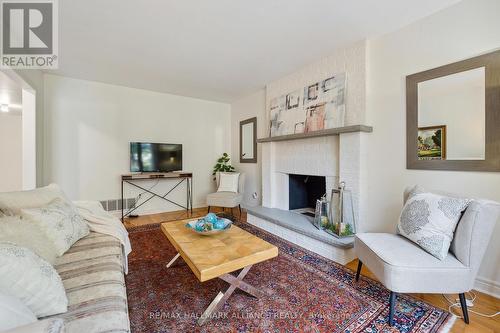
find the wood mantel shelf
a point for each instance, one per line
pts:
(327, 132)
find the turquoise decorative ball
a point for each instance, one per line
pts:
(200, 225)
(219, 224)
(211, 217)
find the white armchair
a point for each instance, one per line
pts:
(403, 267)
(227, 199)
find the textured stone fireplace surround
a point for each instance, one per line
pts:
(338, 158)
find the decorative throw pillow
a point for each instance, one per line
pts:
(14, 313)
(60, 222)
(430, 220)
(228, 182)
(23, 233)
(11, 203)
(32, 280)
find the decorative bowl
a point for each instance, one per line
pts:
(192, 226)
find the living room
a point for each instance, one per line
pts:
(224, 173)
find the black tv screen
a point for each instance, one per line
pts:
(155, 157)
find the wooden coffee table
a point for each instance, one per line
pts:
(218, 255)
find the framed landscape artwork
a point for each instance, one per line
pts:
(432, 143)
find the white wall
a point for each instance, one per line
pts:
(88, 127)
(33, 82)
(459, 32)
(350, 60)
(242, 109)
(29, 131)
(11, 152)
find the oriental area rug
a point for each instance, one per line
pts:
(307, 293)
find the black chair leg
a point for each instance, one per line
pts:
(239, 206)
(358, 271)
(392, 304)
(209, 209)
(463, 303)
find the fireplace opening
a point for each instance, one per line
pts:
(303, 191)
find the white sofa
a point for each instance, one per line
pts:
(92, 271)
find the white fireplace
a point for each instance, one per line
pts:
(315, 156)
(338, 155)
(337, 158)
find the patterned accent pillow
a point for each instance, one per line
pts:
(429, 220)
(11, 203)
(23, 233)
(32, 280)
(60, 222)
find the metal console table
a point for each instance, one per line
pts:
(180, 176)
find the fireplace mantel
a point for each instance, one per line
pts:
(327, 132)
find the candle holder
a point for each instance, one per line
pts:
(321, 220)
(341, 220)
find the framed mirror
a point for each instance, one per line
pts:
(453, 116)
(248, 141)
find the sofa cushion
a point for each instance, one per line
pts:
(404, 267)
(60, 222)
(429, 219)
(11, 203)
(92, 273)
(52, 325)
(32, 280)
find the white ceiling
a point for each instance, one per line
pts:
(216, 49)
(10, 92)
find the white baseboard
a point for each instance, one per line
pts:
(151, 211)
(487, 286)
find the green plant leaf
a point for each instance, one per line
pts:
(222, 165)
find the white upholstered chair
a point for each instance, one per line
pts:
(227, 199)
(403, 267)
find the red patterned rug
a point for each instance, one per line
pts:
(309, 294)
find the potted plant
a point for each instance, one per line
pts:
(223, 165)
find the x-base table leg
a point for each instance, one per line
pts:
(171, 262)
(221, 298)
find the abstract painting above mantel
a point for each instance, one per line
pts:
(316, 107)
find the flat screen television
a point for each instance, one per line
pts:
(155, 157)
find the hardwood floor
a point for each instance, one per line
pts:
(174, 216)
(483, 303)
